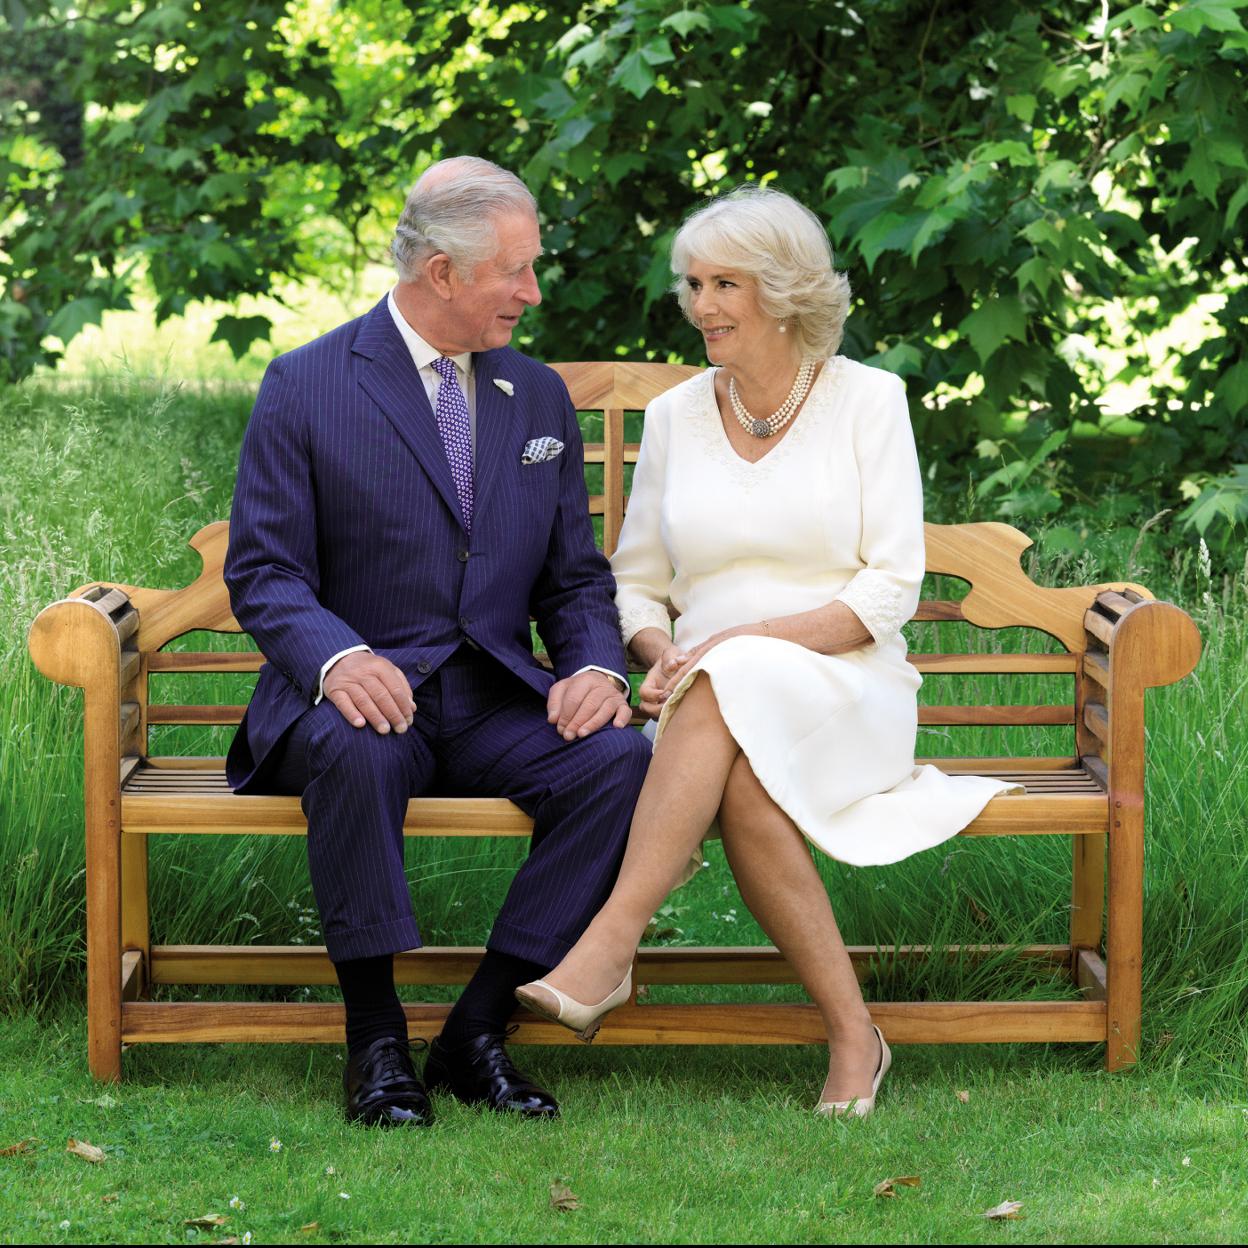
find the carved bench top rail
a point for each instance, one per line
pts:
(986, 555)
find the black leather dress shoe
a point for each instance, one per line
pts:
(480, 1071)
(382, 1087)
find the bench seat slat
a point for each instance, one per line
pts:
(171, 800)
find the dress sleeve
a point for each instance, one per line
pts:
(643, 572)
(885, 592)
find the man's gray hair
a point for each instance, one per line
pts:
(453, 208)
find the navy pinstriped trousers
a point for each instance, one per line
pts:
(479, 731)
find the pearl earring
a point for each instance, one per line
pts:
(784, 329)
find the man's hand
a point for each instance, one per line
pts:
(369, 689)
(581, 704)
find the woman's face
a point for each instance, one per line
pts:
(723, 304)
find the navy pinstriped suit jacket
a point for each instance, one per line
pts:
(346, 528)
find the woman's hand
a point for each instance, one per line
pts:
(678, 672)
(653, 691)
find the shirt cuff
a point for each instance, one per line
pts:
(320, 684)
(625, 688)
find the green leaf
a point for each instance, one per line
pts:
(1200, 15)
(890, 231)
(1138, 15)
(1042, 230)
(685, 21)
(241, 331)
(1232, 388)
(1057, 173)
(1021, 106)
(589, 55)
(1201, 173)
(556, 99)
(658, 51)
(935, 226)
(1011, 150)
(634, 74)
(995, 320)
(70, 320)
(1236, 206)
(1036, 272)
(1127, 87)
(572, 37)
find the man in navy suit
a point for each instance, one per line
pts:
(410, 493)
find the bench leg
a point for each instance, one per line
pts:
(1087, 908)
(104, 964)
(135, 929)
(1125, 941)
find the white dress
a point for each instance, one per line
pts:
(833, 513)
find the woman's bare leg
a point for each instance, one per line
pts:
(781, 885)
(683, 790)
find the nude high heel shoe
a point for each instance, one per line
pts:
(582, 1019)
(860, 1106)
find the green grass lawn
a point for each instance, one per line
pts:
(108, 482)
(658, 1145)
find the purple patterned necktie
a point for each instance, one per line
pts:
(451, 410)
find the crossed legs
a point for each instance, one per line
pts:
(698, 770)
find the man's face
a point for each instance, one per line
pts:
(484, 312)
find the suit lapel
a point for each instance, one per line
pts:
(391, 380)
(497, 418)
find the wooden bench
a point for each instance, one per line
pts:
(110, 640)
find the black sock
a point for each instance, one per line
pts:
(373, 1008)
(488, 999)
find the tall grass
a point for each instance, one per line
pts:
(109, 482)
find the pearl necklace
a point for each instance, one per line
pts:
(766, 428)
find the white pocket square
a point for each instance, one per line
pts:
(539, 450)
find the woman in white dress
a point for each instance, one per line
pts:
(777, 505)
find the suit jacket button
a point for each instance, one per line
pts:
(424, 667)
(462, 555)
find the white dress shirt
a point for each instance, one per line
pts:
(423, 356)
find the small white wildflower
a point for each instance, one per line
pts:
(65, 1225)
(1156, 1184)
(1187, 1161)
(246, 1237)
(330, 1170)
(275, 1145)
(344, 1195)
(235, 1203)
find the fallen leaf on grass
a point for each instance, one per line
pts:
(563, 1198)
(1006, 1209)
(104, 1102)
(888, 1188)
(206, 1221)
(108, 1200)
(88, 1152)
(964, 1097)
(14, 1150)
(308, 1227)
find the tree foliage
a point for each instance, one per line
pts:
(992, 177)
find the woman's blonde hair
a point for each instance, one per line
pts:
(773, 239)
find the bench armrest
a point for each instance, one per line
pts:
(1134, 644)
(89, 641)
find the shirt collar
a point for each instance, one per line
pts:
(423, 355)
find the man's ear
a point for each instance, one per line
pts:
(441, 275)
